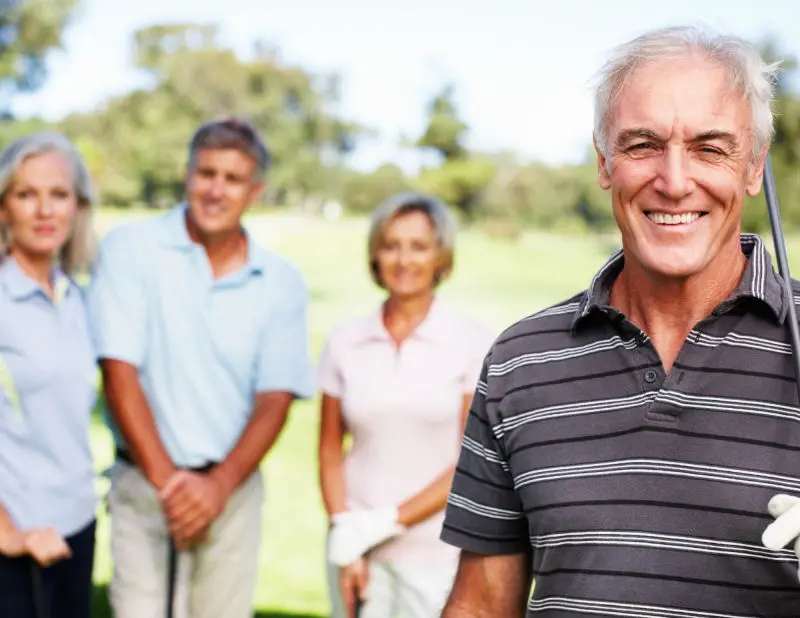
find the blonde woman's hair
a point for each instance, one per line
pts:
(443, 223)
(78, 252)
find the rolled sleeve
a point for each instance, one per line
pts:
(484, 513)
(116, 301)
(284, 363)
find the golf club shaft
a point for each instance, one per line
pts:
(172, 573)
(779, 241)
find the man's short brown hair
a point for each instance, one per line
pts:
(236, 133)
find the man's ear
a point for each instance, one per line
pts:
(603, 176)
(755, 173)
(256, 191)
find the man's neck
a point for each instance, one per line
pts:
(227, 252)
(666, 309)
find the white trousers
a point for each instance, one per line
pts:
(395, 591)
(215, 579)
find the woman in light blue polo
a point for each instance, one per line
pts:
(47, 381)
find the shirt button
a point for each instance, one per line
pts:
(650, 376)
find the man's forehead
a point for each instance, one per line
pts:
(223, 158)
(690, 96)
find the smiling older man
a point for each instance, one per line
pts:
(623, 445)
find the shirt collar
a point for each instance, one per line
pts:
(433, 328)
(176, 236)
(20, 286)
(760, 281)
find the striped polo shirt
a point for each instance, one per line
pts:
(637, 493)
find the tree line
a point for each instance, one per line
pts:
(135, 144)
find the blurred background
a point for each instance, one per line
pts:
(485, 104)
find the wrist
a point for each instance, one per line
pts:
(159, 478)
(9, 538)
(224, 479)
(403, 516)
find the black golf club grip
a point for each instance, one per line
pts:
(39, 601)
(172, 571)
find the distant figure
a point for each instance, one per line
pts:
(399, 381)
(626, 445)
(48, 381)
(202, 339)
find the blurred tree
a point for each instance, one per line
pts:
(28, 31)
(143, 135)
(362, 192)
(785, 149)
(461, 177)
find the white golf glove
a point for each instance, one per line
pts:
(786, 527)
(356, 532)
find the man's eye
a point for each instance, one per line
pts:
(641, 146)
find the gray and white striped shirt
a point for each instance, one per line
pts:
(638, 493)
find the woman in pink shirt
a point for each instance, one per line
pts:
(399, 380)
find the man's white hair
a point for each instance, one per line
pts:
(748, 74)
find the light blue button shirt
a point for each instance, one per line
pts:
(46, 469)
(203, 348)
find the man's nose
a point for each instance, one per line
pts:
(674, 180)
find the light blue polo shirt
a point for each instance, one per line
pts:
(203, 348)
(46, 470)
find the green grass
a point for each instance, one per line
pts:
(495, 280)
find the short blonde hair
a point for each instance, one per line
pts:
(77, 254)
(444, 227)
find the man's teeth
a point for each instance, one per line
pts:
(663, 218)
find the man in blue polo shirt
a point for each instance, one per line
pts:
(202, 340)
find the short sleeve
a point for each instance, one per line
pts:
(116, 301)
(329, 377)
(284, 362)
(484, 513)
(478, 345)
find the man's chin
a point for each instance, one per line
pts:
(675, 263)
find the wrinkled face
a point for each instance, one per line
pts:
(408, 255)
(40, 206)
(679, 151)
(220, 188)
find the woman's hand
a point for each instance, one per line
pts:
(353, 581)
(44, 545)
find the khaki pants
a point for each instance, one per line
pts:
(215, 580)
(397, 591)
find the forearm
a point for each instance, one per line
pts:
(331, 478)
(428, 501)
(258, 437)
(134, 418)
(489, 586)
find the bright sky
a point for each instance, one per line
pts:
(522, 67)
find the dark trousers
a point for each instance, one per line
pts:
(66, 587)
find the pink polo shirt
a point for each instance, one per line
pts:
(403, 408)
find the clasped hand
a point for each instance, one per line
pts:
(45, 546)
(191, 502)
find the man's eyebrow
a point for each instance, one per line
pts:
(626, 135)
(710, 136)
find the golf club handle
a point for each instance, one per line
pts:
(39, 600)
(779, 242)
